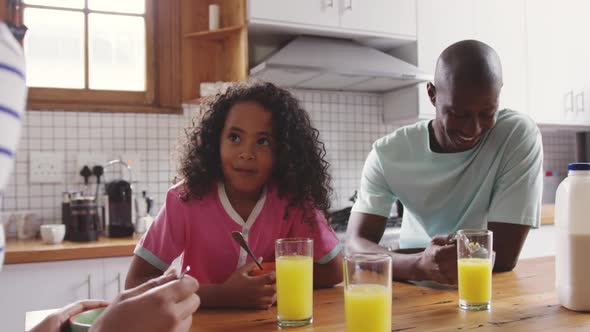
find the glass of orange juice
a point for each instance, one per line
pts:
(294, 271)
(474, 254)
(367, 292)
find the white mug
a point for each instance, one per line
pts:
(27, 224)
(213, 17)
(53, 233)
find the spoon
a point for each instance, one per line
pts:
(474, 248)
(186, 269)
(240, 240)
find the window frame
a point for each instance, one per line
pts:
(103, 100)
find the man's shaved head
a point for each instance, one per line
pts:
(466, 90)
(468, 63)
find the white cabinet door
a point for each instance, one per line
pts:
(501, 24)
(397, 17)
(39, 286)
(551, 61)
(579, 52)
(440, 24)
(115, 273)
(315, 12)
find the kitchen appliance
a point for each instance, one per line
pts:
(81, 218)
(310, 62)
(144, 219)
(118, 203)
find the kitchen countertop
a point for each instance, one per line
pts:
(548, 214)
(35, 251)
(523, 300)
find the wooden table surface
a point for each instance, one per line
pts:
(35, 251)
(523, 300)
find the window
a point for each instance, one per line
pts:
(89, 52)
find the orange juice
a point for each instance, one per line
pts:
(294, 287)
(368, 308)
(475, 280)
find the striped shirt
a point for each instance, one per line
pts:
(13, 94)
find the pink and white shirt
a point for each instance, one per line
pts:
(200, 230)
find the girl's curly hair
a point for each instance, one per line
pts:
(300, 169)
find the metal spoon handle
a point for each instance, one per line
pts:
(188, 268)
(240, 240)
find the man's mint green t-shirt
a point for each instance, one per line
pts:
(498, 180)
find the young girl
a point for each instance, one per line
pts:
(252, 164)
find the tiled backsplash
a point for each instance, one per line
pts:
(348, 123)
(559, 149)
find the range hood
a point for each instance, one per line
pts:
(336, 64)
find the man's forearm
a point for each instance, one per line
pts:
(404, 265)
(508, 242)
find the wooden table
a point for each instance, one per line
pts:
(523, 300)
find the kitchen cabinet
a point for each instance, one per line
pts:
(501, 24)
(37, 286)
(396, 17)
(442, 23)
(558, 65)
(114, 275)
(546, 85)
(315, 12)
(439, 24)
(379, 17)
(577, 52)
(26, 287)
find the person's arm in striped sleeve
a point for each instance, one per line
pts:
(13, 95)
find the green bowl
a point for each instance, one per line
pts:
(83, 321)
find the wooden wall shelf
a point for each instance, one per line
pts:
(218, 34)
(212, 56)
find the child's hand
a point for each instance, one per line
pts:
(245, 291)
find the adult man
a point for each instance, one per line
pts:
(163, 304)
(473, 166)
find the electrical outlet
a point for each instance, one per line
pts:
(90, 159)
(46, 167)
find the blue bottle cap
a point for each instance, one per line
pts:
(579, 167)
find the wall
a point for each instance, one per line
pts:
(348, 122)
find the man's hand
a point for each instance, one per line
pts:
(438, 262)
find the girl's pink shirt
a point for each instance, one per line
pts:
(200, 230)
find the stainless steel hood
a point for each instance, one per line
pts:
(336, 64)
